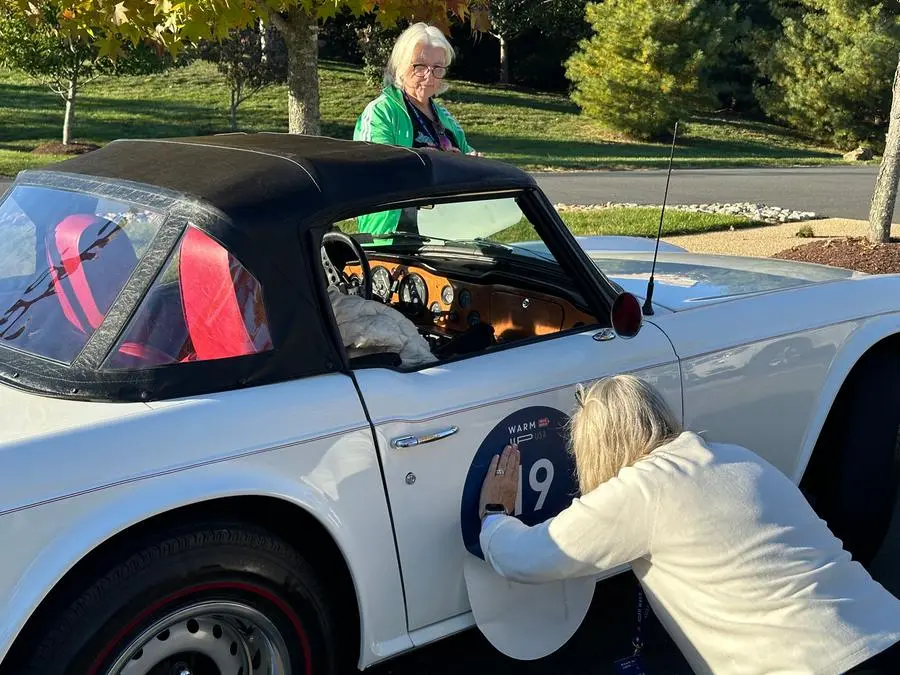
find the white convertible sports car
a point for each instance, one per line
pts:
(250, 384)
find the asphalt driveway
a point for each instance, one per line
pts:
(833, 192)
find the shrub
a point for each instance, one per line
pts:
(647, 63)
(830, 70)
(376, 43)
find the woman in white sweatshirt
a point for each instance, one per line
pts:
(734, 562)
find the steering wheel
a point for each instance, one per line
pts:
(335, 272)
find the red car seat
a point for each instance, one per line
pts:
(211, 282)
(90, 260)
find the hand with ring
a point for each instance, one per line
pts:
(501, 484)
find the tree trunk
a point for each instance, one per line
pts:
(882, 210)
(301, 37)
(69, 118)
(235, 97)
(263, 45)
(504, 60)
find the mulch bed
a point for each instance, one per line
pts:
(60, 149)
(855, 253)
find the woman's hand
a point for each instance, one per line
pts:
(501, 484)
(475, 153)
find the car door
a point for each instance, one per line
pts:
(437, 427)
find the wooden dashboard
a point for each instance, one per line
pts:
(453, 306)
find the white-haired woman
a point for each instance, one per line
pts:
(735, 563)
(406, 113)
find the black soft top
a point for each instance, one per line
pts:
(277, 180)
(267, 198)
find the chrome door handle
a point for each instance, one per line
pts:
(411, 441)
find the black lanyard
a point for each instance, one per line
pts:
(642, 612)
(435, 129)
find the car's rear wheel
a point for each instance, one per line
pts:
(853, 474)
(213, 600)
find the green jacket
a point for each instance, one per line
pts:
(385, 120)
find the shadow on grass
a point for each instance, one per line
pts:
(338, 130)
(578, 153)
(751, 124)
(105, 119)
(510, 99)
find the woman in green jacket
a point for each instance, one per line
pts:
(406, 113)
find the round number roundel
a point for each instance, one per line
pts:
(546, 475)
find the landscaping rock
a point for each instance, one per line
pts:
(752, 210)
(861, 154)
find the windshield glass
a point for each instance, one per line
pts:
(492, 226)
(64, 257)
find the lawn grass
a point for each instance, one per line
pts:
(12, 161)
(536, 131)
(633, 222)
(640, 221)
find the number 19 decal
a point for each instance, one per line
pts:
(537, 482)
(546, 475)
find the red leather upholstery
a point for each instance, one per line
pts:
(90, 261)
(211, 310)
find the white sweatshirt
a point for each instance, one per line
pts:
(736, 565)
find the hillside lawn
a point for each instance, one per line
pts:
(536, 131)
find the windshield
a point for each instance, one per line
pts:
(497, 227)
(64, 258)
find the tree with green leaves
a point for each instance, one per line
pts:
(648, 62)
(249, 59)
(511, 18)
(174, 25)
(829, 68)
(64, 62)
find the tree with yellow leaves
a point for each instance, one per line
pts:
(172, 24)
(61, 62)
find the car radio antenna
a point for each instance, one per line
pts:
(648, 303)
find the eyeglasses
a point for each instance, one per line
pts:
(420, 70)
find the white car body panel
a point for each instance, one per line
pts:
(37, 416)
(474, 395)
(305, 442)
(760, 368)
(822, 329)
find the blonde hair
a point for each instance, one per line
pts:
(618, 421)
(402, 54)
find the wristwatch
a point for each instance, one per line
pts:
(495, 509)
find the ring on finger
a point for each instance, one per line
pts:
(500, 472)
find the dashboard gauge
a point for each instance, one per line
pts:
(447, 295)
(413, 290)
(474, 318)
(465, 298)
(435, 309)
(381, 283)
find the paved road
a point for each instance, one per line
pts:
(837, 192)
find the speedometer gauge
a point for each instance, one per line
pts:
(381, 283)
(413, 290)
